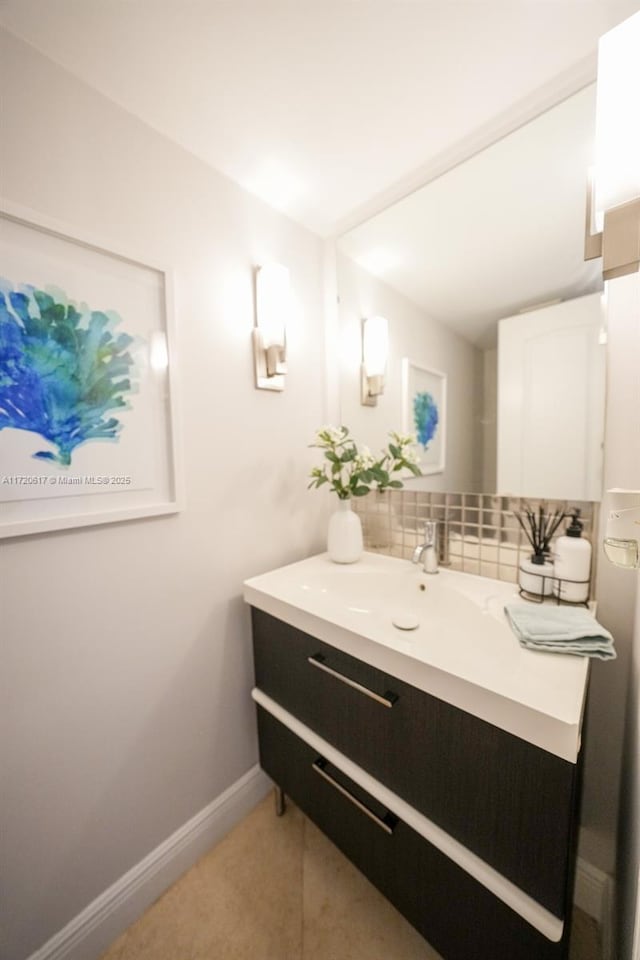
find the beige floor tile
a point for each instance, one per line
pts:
(242, 901)
(115, 950)
(345, 918)
(249, 904)
(166, 930)
(276, 889)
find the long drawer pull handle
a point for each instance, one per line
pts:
(388, 827)
(387, 700)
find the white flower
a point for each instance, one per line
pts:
(404, 439)
(330, 434)
(411, 456)
(364, 460)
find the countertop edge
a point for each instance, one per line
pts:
(549, 733)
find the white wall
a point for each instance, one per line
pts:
(415, 335)
(126, 654)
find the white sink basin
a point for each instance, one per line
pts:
(456, 643)
(367, 589)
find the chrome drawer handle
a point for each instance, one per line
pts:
(388, 823)
(388, 700)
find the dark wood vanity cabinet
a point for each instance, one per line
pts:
(504, 799)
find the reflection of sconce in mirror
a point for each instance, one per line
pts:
(273, 309)
(613, 200)
(622, 529)
(375, 347)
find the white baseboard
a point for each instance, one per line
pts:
(593, 893)
(102, 921)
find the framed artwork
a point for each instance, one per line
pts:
(87, 411)
(424, 413)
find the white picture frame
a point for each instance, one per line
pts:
(424, 413)
(88, 418)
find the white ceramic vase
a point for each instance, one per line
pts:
(344, 540)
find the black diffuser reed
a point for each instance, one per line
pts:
(539, 529)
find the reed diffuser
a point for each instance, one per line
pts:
(536, 574)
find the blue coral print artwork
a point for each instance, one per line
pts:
(425, 418)
(424, 413)
(64, 370)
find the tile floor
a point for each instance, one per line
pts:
(277, 889)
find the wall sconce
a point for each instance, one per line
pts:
(613, 199)
(273, 311)
(375, 348)
(622, 529)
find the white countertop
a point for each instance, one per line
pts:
(463, 650)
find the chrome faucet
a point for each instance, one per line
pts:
(428, 551)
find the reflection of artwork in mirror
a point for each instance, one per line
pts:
(424, 411)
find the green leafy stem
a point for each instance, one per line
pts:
(351, 472)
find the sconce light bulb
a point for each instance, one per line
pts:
(273, 303)
(375, 346)
(273, 313)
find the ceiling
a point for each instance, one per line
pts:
(318, 106)
(510, 221)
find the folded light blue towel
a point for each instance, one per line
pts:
(559, 629)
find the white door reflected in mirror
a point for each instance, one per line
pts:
(551, 383)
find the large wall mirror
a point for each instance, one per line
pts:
(481, 276)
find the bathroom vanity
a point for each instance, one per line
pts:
(443, 760)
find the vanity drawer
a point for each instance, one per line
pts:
(503, 798)
(453, 911)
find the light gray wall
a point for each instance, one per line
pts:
(623, 470)
(415, 335)
(615, 588)
(126, 660)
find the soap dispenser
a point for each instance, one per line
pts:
(572, 563)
